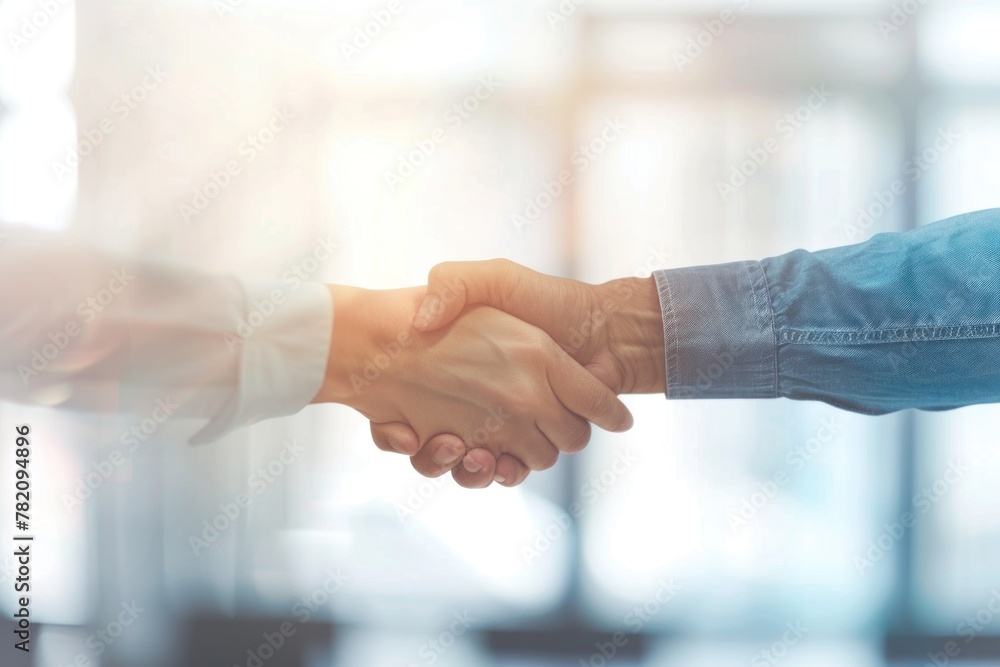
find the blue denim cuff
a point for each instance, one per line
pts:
(718, 328)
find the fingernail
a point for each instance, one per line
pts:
(448, 454)
(428, 309)
(472, 466)
(499, 480)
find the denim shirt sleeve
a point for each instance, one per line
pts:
(901, 321)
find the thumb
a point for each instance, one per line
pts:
(452, 286)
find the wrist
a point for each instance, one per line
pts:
(371, 330)
(345, 344)
(636, 335)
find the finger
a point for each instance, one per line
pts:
(538, 453)
(510, 472)
(568, 431)
(533, 449)
(585, 395)
(396, 437)
(477, 460)
(439, 455)
(452, 286)
(476, 470)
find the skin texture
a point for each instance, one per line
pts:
(614, 330)
(498, 385)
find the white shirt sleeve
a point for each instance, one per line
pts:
(80, 329)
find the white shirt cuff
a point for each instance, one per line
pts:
(283, 340)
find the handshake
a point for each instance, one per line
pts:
(493, 370)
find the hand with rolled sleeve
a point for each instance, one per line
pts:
(614, 331)
(904, 320)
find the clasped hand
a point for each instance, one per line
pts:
(493, 370)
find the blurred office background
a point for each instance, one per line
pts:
(714, 533)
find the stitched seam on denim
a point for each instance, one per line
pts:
(774, 326)
(670, 340)
(906, 335)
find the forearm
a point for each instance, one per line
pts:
(100, 333)
(901, 321)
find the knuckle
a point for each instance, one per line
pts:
(505, 277)
(381, 438)
(440, 272)
(445, 267)
(543, 343)
(520, 399)
(517, 480)
(546, 459)
(469, 480)
(512, 470)
(578, 439)
(535, 347)
(499, 264)
(426, 467)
